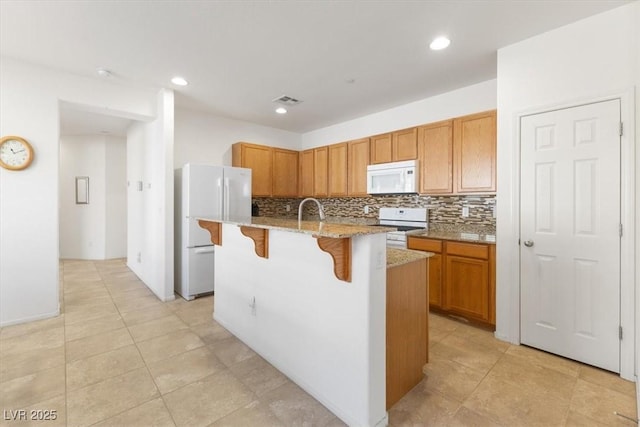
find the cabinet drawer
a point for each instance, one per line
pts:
(468, 249)
(427, 245)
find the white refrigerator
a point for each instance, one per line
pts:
(204, 191)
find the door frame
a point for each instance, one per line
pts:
(508, 250)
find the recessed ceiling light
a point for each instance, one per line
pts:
(439, 43)
(281, 110)
(180, 81)
(104, 73)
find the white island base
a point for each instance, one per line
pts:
(327, 335)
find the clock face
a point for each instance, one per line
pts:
(15, 153)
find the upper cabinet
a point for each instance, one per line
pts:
(404, 144)
(381, 150)
(274, 171)
(285, 173)
(320, 169)
(435, 157)
(337, 170)
(474, 140)
(306, 173)
(258, 158)
(456, 156)
(394, 146)
(358, 160)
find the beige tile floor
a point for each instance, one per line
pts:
(118, 356)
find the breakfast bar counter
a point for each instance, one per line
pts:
(311, 298)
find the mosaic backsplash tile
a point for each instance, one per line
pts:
(443, 210)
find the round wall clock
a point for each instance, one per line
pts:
(15, 153)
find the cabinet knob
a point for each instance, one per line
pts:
(528, 243)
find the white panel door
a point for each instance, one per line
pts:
(569, 230)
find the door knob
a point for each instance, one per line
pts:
(528, 243)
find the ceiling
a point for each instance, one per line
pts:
(343, 59)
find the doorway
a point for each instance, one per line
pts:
(570, 228)
(93, 184)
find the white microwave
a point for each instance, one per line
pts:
(393, 178)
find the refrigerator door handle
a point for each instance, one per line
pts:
(219, 184)
(205, 250)
(226, 198)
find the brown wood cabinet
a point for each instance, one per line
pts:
(461, 277)
(337, 170)
(381, 149)
(435, 155)
(394, 146)
(258, 158)
(474, 139)
(404, 144)
(467, 288)
(320, 169)
(435, 267)
(306, 173)
(407, 328)
(358, 160)
(285, 173)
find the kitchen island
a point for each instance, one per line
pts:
(310, 298)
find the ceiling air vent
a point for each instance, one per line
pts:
(287, 100)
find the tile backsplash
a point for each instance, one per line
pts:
(443, 210)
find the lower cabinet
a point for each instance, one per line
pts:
(461, 277)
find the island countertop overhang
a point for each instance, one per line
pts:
(314, 228)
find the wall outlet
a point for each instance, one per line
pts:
(139, 257)
(366, 209)
(465, 211)
(288, 208)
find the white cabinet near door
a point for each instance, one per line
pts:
(570, 241)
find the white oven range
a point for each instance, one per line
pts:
(406, 220)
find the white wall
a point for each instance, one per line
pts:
(592, 58)
(466, 100)
(29, 238)
(116, 197)
(150, 211)
(205, 138)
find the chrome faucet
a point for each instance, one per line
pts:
(320, 208)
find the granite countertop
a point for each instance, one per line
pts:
(396, 257)
(474, 236)
(315, 228)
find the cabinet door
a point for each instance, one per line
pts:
(405, 145)
(258, 158)
(285, 173)
(435, 281)
(435, 154)
(337, 170)
(358, 158)
(475, 153)
(305, 177)
(435, 266)
(381, 149)
(320, 169)
(467, 287)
